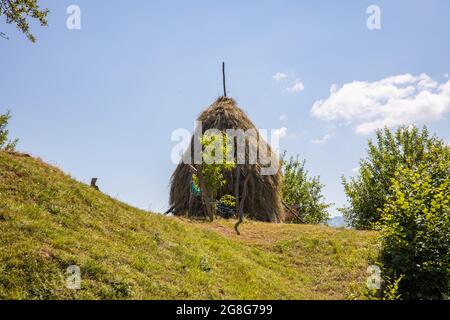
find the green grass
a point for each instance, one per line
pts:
(49, 221)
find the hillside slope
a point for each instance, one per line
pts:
(49, 221)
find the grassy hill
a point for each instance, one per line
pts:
(49, 221)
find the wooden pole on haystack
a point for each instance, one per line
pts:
(223, 80)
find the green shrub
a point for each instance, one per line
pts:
(415, 228)
(6, 144)
(228, 200)
(299, 189)
(367, 193)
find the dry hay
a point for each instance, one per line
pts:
(263, 200)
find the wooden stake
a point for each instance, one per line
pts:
(223, 80)
(293, 212)
(94, 183)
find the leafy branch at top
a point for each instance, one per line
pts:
(17, 11)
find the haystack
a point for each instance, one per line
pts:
(261, 200)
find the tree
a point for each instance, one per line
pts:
(415, 228)
(367, 193)
(301, 192)
(6, 144)
(18, 11)
(209, 176)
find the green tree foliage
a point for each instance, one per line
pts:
(6, 144)
(217, 159)
(367, 193)
(415, 227)
(18, 11)
(228, 200)
(300, 190)
(389, 290)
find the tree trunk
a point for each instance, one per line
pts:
(236, 187)
(241, 204)
(206, 197)
(191, 203)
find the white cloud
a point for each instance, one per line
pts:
(296, 87)
(397, 100)
(323, 139)
(355, 169)
(446, 75)
(333, 88)
(283, 118)
(279, 76)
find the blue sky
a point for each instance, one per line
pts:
(103, 101)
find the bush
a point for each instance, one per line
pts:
(300, 190)
(6, 144)
(367, 193)
(415, 228)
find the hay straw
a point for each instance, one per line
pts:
(263, 201)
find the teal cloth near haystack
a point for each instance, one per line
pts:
(195, 189)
